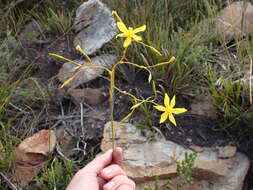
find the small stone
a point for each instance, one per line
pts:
(69, 69)
(87, 95)
(95, 24)
(196, 148)
(204, 107)
(227, 151)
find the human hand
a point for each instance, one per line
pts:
(103, 173)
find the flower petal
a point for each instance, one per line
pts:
(173, 102)
(140, 29)
(117, 16)
(137, 38)
(127, 42)
(122, 35)
(122, 27)
(160, 108)
(166, 100)
(164, 117)
(178, 110)
(172, 119)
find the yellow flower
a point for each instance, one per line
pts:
(169, 109)
(129, 33)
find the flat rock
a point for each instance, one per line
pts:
(144, 160)
(236, 20)
(42, 142)
(69, 69)
(95, 26)
(31, 155)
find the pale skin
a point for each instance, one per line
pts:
(103, 173)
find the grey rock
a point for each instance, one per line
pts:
(69, 69)
(145, 159)
(31, 30)
(32, 33)
(235, 178)
(95, 26)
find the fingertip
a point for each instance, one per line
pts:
(119, 150)
(118, 156)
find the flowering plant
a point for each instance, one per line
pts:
(131, 37)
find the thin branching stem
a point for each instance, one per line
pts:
(111, 93)
(250, 81)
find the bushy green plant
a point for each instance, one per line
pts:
(56, 175)
(185, 169)
(146, 117)
(184, 172)
(7, 145)
(157, 185)
(232, 99)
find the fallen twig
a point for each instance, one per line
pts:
(82, 126)
(11, 185)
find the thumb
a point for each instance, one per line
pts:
(99, 163)
(117, 156)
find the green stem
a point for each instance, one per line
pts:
(112, 85)
(112, 107)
